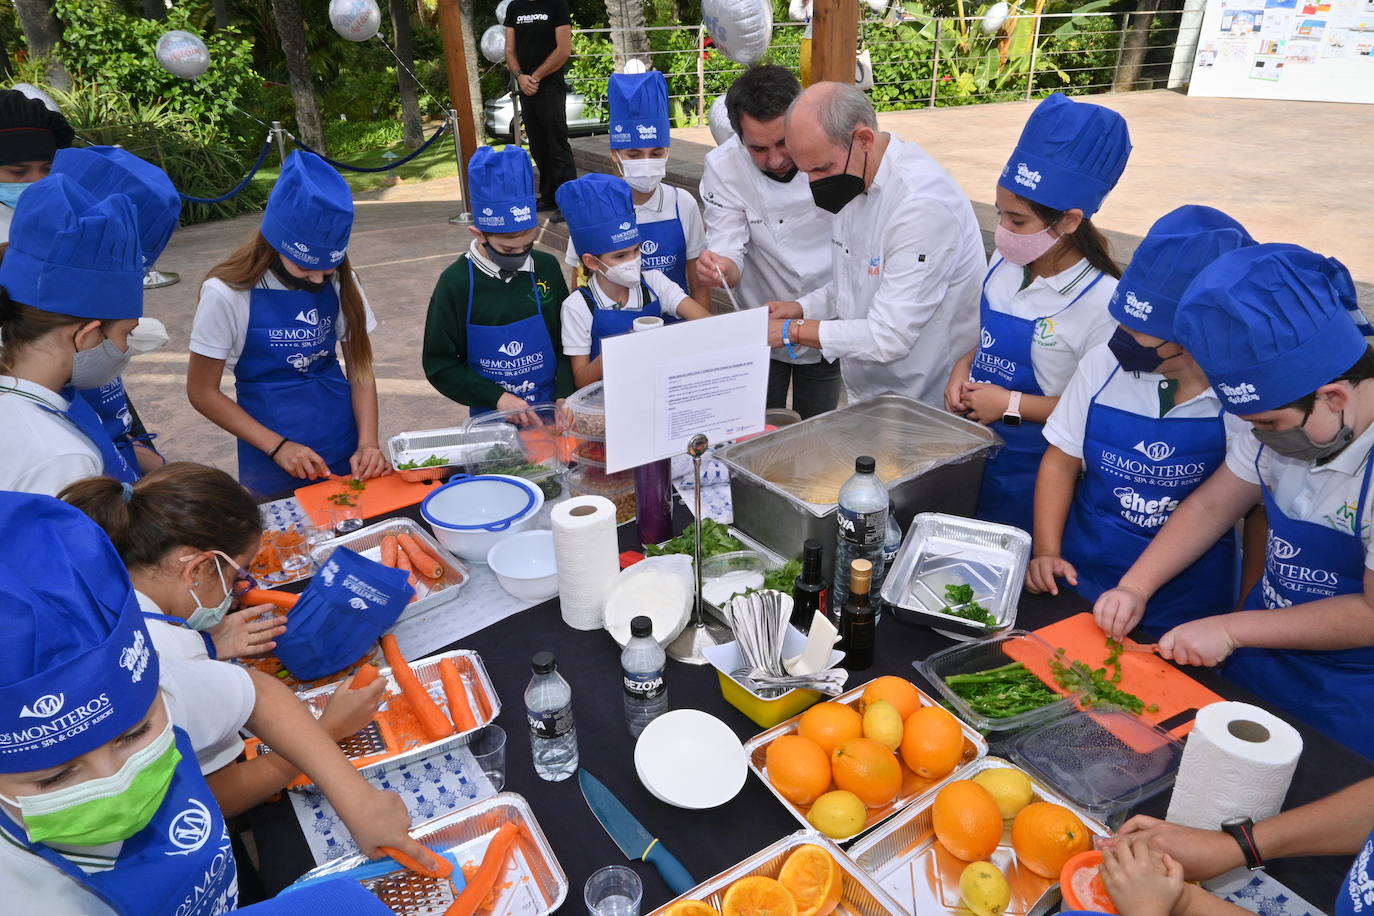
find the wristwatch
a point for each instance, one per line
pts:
(1242, 830)
(1012, 417)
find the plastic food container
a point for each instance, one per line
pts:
(525, 566)
(769, 711)
(983, 655)
(588, 406)
(728, 574)
(592, 454)
(619, 488)
(468, 515)
(454, 446)
(529, 443)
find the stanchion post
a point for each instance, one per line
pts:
(279, 133)
(460, 95)
(464, 217)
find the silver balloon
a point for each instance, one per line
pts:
(741, 29)
(995, 16)
(877, 6)
(182, 54)
(34, 92)
(493, 43)
(501, 11)
(356, 20)
(718, 119)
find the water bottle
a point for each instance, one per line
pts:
(642, 661)
(892, 542)
(862, 519)
(548, 706)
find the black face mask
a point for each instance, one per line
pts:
(833, 192)
(783, 178)
(290, 281)
(1133, 355)
(506, 262)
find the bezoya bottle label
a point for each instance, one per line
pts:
(862, 529)
(644, 686)
(555, 724)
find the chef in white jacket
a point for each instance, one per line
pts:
(764, 234)
(906, 253)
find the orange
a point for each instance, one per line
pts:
(814, 879)
(900, 692)
(868, 769)
(691, 908)
(798, 768)
(758, 896)
(967, 821)
(1045, 836)
(932, 742)
(828, 724)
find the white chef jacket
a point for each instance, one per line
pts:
(43, 451)
(908, 263)
(6, 217)
(773, 230)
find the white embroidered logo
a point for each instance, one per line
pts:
(648, 246)
(300, 246)
(647, 131)
(1282, 549)
(357, 604)
(1137, 308)
(330, 570)
(487, 211)
(513, 348)
(189, 830)
(1027, 176)
(135, 657)
(987, 340)
(1239, 394)
(624, 226)
(310, 317)
(45, 707)
(520, 212)
(1155, 451)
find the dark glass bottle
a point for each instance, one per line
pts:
(857, 625)
(806, 593)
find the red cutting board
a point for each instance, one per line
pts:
(1144, 674)
(380, 496)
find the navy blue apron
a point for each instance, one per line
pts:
(111, 403)
(611, 322)
(1331, 690)
(182, 862)
(81, 416)
(663, 245)
(1357, 893)
(506, 353)
(1004, 358)
(288, 378)
(1137, 470)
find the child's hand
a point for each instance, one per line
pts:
(349, 711)
(1142, 882)
(1202, 853)
(247, 632)
(377, 818)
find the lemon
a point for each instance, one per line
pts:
(1011, 789)
(985, 889)
(883, 724)
(838, 814)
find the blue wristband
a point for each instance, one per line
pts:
(787, 338)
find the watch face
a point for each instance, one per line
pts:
(1012, 419)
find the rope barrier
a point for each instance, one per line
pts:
(383, 168)
(262, 157)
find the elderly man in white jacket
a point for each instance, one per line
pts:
(906, 253)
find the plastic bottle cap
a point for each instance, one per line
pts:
(641, 626)
(865, 464)
(543, 662)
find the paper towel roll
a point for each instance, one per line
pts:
(588, 555)
(1238, 762)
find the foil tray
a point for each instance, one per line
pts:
(533, 883)
(911, 867)
(914, 788)
(368, 542)
(455, 445)
(862, 895)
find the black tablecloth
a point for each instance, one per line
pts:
(707, 842)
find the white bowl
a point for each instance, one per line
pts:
(525, 566)
(470, 515)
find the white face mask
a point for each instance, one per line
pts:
(99, 365)
(625, 273)
(643, 174)
(148, 335)
(203, 618)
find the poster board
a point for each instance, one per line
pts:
(1296, 50)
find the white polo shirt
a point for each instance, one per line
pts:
(1060, 340)
(667, 202)
(1326, 494)
(43, 452)
(577, 317)
(1133, 392)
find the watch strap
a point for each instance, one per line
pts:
(1242, 830)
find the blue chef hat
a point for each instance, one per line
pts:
(73, 254)
(639, 110)
(501, 182)
(600, 211)
(1179, 245)
(310, 213)
(1270, 324)
(105, 170)
(1069, 156)
(77, 668)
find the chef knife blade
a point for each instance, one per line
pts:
(629, 834)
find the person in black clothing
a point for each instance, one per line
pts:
(538, 43)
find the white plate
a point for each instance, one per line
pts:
(690, 759)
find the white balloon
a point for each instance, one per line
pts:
(799, 10)
(182, 54)
(501, 11)
(33, 92)
(493, 43)
(356, 20)
(634, 65)
(995, 16)
(740, 28)
(877, 6)
(718, 119)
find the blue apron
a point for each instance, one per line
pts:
(1137, 470)
(1357, 893)
(505, 353)
(111, 403)
(178, 622)
(663, 245)
(612, 322)
(1331, 690)
(1004, 358)
(288, 379)
(182, 862)
(81, 416)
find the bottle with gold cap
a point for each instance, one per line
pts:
(857, 622)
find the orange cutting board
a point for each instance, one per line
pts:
(1156, 681)
(380, 496)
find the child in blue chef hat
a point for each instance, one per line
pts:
(601, 220)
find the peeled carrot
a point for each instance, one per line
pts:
(432, 719)
(429, 551)
(364, 676)
(443, 871)
(403, 562)
(492, 867)
(420, 561)
(390, 549)
(284, 600)
(457, 696)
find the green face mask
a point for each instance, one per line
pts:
(105, 810)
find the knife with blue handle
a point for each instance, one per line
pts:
(629, 834)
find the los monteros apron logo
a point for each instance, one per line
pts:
(189, 830)
(311, 317)
(1282, 549)
(648, 246)
(513, 348)
(1155, 451)
(986, 339)
(357, 604)
(45, 707)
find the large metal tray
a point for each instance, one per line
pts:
(533, 883)
(914, 788)
(368, 542)
(905, 859)
(861, 896)
(455, 445)
(941, 550)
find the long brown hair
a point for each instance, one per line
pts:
(179, 504)
(1087, 238)
(245, 267)
(21, 325)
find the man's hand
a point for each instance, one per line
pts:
(785, 309)
(711, 265)
(528, 84)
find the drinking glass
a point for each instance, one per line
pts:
(613, 891)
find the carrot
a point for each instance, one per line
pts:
(492, 867)
(364, 676)
(390, 549)
(429, 551)
(443, 871)
(284, 600)
(457, 696)
(403, 562)
(432, 719)
(421, 562)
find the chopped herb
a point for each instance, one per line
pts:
(342, 499)
(356, 485)
(1097, 685)
(1000, 693)
(715, 538)
(959, 603)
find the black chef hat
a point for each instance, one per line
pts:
(29, 130)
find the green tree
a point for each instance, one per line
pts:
(291, 29)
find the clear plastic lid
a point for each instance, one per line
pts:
(529, 443)
(588, 406)
(990, 658)
(587, 480)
